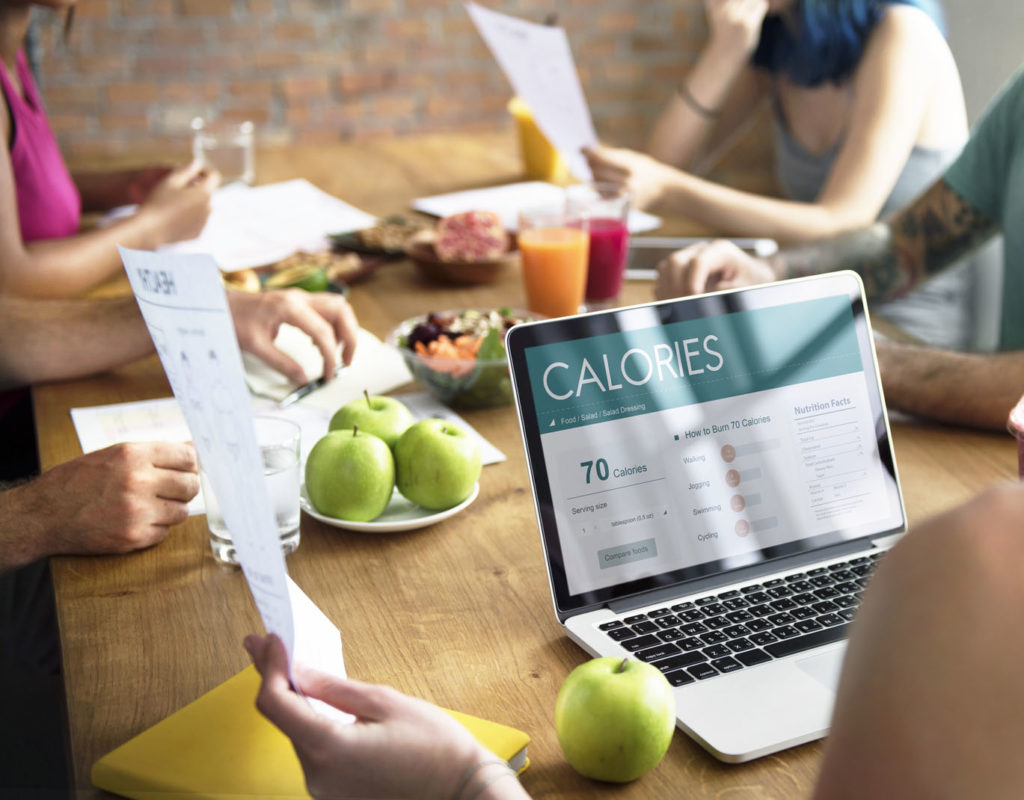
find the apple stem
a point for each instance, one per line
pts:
(366, 394)
(622, 666)
(355, 430)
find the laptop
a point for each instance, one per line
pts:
(714, 483)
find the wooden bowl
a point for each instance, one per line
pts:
(420, 249)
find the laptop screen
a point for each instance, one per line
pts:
(681, 439)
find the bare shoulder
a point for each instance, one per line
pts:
(906, 26)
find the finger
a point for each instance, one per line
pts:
(208, 181)
(300, 313)
(339, 313)
(285, 364)
(176, 485)
(183, 176)
(367, 701)
(174, 455)
(276, 700)
(165, 512)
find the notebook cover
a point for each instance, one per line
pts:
(220, 746)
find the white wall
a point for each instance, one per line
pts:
(987, 39)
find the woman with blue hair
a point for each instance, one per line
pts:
(867, 109)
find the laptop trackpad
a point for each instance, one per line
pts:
(824, 668)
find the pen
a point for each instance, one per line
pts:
(306, 389)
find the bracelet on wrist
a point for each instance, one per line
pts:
(702, 110)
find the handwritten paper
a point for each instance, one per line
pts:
(538, 63)
(182, 300)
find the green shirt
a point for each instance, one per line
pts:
(989, 174)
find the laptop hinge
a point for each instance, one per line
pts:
(700, 585)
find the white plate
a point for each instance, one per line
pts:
(400, 515)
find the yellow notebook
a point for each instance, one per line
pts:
(220, 746)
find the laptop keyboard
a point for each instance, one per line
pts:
(739, 628)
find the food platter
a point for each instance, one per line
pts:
(400, 515)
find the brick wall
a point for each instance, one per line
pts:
(134, 72)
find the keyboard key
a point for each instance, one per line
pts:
(762, 610)
(618, 634)
(607, 626)
(843, 575)
(702, 671)
(848, 587)
(862, 570)
(683, 606)
(825, 607)
(786, 632)
(784, 604)
(714, 609)
(739, 616)
(736, 604)
(753, 657)
(803, 612)
(804, 599)
(827, 593)
(645, 627)
(845, 601)
(739, 645)
(779, 591)
(828, 620)
(663, 650)
(687, 645)
(694, 628)
(691, 615)
(823, 580)
(671, 635)
(658, 612)
(834, 568)
(801, 586)
(859, 560)
(848, 613)
(758, 597)
(714, 637)
(729, 594)
(781, 619)
(717, 651)
(679, 677)
(716, 622)
(735, 631)
(747, 590)
(818, 571)
(761, 639)
(703, 601)
(775, 582)
(800, 643)
(726, 664)
(807, 625)
(796, 576)
(680, 661)
(669, 621)
(635, 618)
(759, 625)
(632, 645)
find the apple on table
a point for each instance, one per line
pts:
(615, 718)
(437, 464)
(380, 415)
(350, 475)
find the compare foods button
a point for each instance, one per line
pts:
(623, 554)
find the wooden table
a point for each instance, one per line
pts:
(459, 613)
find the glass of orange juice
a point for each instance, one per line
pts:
(553, 246)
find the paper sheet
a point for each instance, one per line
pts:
(508, 200)
(253, 226)
(182, 300)
(538, 63)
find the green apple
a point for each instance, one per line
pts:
(350, 475)
(382, 416)
(614, 718)
(437, 463)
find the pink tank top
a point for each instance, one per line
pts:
(49, 206)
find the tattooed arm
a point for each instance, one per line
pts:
(891, 257)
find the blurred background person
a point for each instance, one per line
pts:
(42, 252)
(867, 110)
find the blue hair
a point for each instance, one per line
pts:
(822, 40)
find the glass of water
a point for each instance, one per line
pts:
(278, 440)
(226, 147)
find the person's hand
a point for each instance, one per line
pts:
(735, 25)
(397, 747)
(644, 177)
(178, 206)
(709, 267)
(122, 498)
(326, 318)
(140, 183)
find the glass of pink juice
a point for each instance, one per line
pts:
(606, 206)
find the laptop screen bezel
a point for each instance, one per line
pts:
(522, 337)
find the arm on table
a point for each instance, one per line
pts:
(102, 191)
(115, 500)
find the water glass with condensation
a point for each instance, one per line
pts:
(227, 147)
(278, 440)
